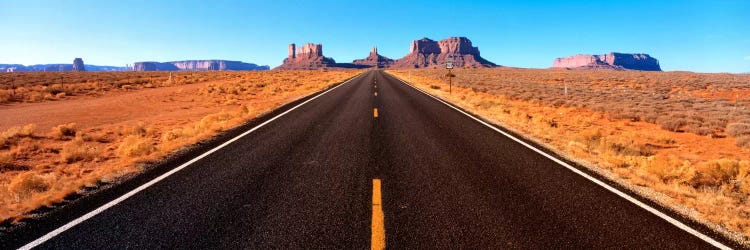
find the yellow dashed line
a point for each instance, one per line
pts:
(377, 241)
(376, 93)
(375, 112)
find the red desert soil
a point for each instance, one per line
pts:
(167, 106)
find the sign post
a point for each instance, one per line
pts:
(449, 66)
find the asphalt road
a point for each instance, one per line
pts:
(305, 180)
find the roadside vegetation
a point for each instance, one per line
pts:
(684, 135)
(27, 87)
(42, 166)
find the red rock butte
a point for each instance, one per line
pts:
(309, 56)
(374, 60)
(425, 53)
(613, 60)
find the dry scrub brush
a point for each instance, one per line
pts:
(667, 99)
(49, 86)
(663, 130)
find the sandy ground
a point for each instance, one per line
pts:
(167, 106)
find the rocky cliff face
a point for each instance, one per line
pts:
(429, 53)
(374, 60)
(617, 61)
(78, 65)
(309, 56)
(196, 65)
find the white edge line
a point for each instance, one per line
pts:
(635, 201)
(114, 202)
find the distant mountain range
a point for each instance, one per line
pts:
(188, 65)
(197, 65)
(55, 67)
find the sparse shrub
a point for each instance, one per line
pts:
(5, 96)
(64, 130)
(738, 129)
(434, 87)
(626, 115)
(134, 146)
(698, 130)
(672, 124)
(650, 118)
(214, 122)
(25, 184)
(171, 135)
(244, 110)
(715, 173)
(12, 135)
(139, 129)
(36, 97)
(591, 134)
(743, 141)
(484, 104)
(28, 130)
(6, 159)
(76, 150)
(744, 176)
(668, 168)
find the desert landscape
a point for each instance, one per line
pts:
(400, 125)
(684, 135)
(62, 131)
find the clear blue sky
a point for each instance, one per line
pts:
(704, 36)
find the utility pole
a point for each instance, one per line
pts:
(13, 84)
(449, 66)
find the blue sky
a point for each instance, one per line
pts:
(703, 36)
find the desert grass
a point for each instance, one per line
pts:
(672, 132)
(41, 168)
(24, 87)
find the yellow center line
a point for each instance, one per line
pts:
(376, 93)
(375, 112)
(377, 241)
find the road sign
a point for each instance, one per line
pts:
(449, 63)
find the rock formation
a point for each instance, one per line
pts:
(429, 53)
(374, 60)
(78, 65)
(55, 67)
(196, 65)
(616, 61)
(310, 56)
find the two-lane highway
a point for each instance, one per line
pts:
(318, 176)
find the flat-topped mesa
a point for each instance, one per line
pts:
(196, 65)
(374, 60)
(426, 52)
(424, 46)
(310, 51)
(309, 56)
(616, 61)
